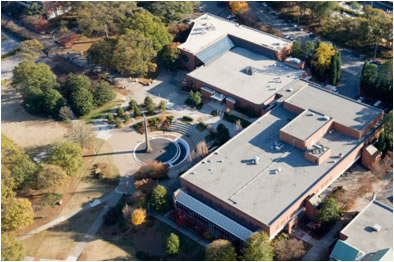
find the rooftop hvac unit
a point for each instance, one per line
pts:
(220, 161)
(377, 227)
(256, 160)
(326, 118)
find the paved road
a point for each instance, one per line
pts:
(9, 44)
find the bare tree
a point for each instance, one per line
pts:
(81, 133)
(65, 113)
(291, 249)
(237, 124)
(202, 149)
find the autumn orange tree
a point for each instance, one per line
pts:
(238, 7)
(138, 216)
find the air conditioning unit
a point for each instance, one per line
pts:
(377, 227)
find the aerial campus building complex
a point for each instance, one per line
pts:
(306, 137)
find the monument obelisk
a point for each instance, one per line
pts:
(148, 149)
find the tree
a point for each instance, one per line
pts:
(11, 248)
(334, 75)
(52, 102)
(162, 106)
(170, 12)
(137, 111)
(223, 134)
(220, 250)
(31, 49)
(103, 93)
(17, 167)
(330, 212)
(385, 142)
(238, 7)
(110, 117)
(132, 104)
(296, 49)
(171, 56)
(159, 199)
(258, 248)
(150, 108)
(28, 74)
(102, 18)
(148, 101)
(194, 98)
(82, 101)
(74, 83)
(66, 155)
(81, 133)
(138, 216)
(321, 60)
(34, 9)
(65, 113)
(133, 55)
(289, 249)
(119, 111)
(118, 122)
(172, 245)
(151, 27)
(100, 52)
(51, 178)
(15, 214)
(322, 9)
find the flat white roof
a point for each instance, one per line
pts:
(361, 234)
(209, 28)
(344, 110)
(227, 73)
(212, 215)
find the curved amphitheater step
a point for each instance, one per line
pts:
(190, 131)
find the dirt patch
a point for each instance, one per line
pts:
(25, 129)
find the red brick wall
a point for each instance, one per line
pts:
(318, 134)
(292, 108)
(328, 178)
(347, 130)
(191, 64)
(310, 210)
(368, 160)
(291, 140)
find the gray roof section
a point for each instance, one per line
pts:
(345, 111)
(362, 236)
(226, 73)
(306, 124)
(257, 190)
(214, 216)
(208, 28)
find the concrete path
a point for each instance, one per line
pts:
(320, 249)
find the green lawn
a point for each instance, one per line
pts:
(97, 113)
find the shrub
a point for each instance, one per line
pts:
(66, 155)
(170, 118)
(162, 106)
(110, 117)
(120, 112)
(118, 122)
(172, 245)
(148, 101)
(126, 117)
(150, 108)
(153, 169)
(223, 134)
(194, 98)
(187, 118)
(220, 250)
(103, 93)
